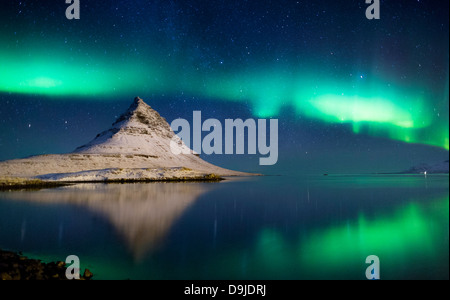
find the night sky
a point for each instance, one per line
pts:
(351, 94)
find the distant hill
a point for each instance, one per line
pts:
(438, 168)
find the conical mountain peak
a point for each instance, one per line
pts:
(139, 104)
(140, 129)
(140, 112)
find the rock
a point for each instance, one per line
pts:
(5, 276)
(60, 264)
(87, 274)
(15, 267)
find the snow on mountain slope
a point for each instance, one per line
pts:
(140, 130)
(139, 140)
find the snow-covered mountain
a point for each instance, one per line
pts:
(136, 147)
(140, 130)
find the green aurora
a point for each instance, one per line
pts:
(371, 106)
(371, 76)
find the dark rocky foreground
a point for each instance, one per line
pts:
(17, 267)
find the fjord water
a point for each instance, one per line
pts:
(286, 227)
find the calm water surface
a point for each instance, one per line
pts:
(251, 228)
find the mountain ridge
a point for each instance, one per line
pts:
(435, 168)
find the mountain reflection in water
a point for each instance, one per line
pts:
(287, 227)
(141, 214)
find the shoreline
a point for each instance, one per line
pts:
(15, 266)
(18, 183)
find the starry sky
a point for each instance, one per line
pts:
(351, 94)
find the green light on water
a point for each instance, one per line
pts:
(396, 239)
(272, 250)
